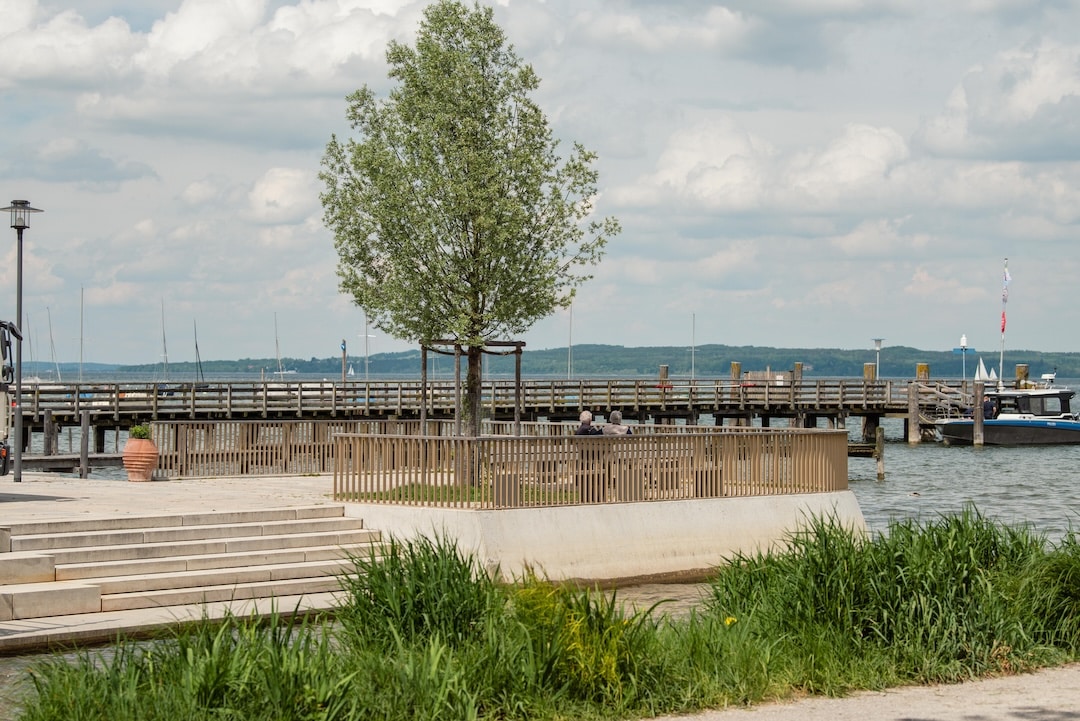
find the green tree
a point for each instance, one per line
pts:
(453, 215)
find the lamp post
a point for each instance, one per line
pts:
(963, 356)
(344, 356)
(20, 220)
(877, 358)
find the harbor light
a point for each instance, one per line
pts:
(20, 220)
(963, 356)
(877, 358)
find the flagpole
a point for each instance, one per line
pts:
(1004, 300)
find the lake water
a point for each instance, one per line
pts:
(1033, 485)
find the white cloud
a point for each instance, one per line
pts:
(712, 162)
(717, 26)
(283, 195)
(785, 169)
(1023, 104)
(855, 165)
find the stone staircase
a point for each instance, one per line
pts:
(126, 563)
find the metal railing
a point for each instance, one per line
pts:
(561, 470)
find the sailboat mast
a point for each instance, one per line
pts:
(1004, 300)
(52, 346)
(164, 348)
(198, 360)
(277, 351)
(82, 305)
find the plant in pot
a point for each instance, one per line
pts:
(140, 454)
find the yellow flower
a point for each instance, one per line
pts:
(730, 620)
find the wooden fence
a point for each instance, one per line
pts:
(193, 449)
(560, 470)
(390, 461)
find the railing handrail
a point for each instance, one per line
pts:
(490, 472)
(153, 399)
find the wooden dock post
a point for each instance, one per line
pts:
(84, 444)
(977, 435)
(914, 419)
(51, 443)
(879, 452)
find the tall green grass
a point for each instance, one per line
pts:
(425, 633)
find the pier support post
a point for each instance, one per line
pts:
(870, 427)
(84, 444)
(914, 421)
(51, 444)
(977, 433)
(879, 452)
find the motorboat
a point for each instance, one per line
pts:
(1027, 414)
(1035, 415)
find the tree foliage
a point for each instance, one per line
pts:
(454, 216)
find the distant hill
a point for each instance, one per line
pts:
(708, 361)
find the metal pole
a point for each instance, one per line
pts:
(17, 446)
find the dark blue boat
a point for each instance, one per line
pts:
(1024, 417)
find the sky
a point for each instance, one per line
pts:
(788, 173)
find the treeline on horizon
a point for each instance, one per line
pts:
(707, 361)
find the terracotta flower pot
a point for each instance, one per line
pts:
(140, 458)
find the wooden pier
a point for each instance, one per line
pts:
(803, 403)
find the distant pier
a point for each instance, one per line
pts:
(802, 403)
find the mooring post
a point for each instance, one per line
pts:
(879, 452)
(977, 433)
(914, 419)
(51, 442)
(84, 444)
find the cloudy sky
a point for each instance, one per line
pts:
(794, 173)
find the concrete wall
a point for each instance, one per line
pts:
(615, 543)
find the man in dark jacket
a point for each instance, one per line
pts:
(586, 428)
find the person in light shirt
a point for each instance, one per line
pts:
(615, 426)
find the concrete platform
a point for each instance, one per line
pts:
(42, 497)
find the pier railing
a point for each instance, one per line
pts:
(128, 402)
(561, 470)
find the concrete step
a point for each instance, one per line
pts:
(178, 564)
(96, 565)
(38, 600)
(237, 575)
(209, 594)
(174, 534)
(27, 567)
(216, 546)
(172, 520)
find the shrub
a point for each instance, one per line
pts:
(139, 431)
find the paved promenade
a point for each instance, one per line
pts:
(50, 497)
(1050, 695)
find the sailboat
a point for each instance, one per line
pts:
(199, 377)
(281, 372)
(1027, 415)
(986, 377)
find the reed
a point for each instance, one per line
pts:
(424, 632)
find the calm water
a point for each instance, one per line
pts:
(1037, 486)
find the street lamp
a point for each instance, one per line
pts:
(963, 355)
(877, 359)
(20, 220)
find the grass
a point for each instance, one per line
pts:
(424, 633)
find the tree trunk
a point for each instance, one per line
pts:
(473, 378)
